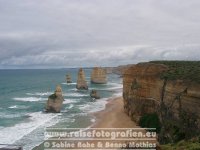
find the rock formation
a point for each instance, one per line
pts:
(81, 81)
(98, 75)
(68, 78)
(145, 92)
(94, 94)
(55, 101)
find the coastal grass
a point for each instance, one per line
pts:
(181, 70)
(182, 145)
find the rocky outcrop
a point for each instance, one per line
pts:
(55, 101)
(144, 92)
(98, 75)
(68, 78)
(81, 81)
(94, 94)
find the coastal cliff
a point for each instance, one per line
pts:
(98, 75)
(148, 88)
(81, 81)
(55, 101)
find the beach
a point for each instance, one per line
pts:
(113, 116)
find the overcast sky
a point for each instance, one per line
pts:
(74, 33)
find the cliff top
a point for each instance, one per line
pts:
(181, 70)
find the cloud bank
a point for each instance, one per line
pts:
(74, 33)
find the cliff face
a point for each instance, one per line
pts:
(55, 101)
(81, 82)
(98, 75)
(145, 92)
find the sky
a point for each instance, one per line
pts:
(86, 33)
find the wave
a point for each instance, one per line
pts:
(70, 106)
(18, 107)
(9, 135)
(92, 120)
(11, 115)
(94, 106)
(117, 94)
(67, 101)
(29, 99)
(114, 88)
(73, 83)
(14, 106)
(75, 94)
(40, 94)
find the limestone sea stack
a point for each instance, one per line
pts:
(98, 75)
(68, 78)
(81, 81)
(94, 94)
(55, 101)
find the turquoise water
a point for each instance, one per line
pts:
(23, 95)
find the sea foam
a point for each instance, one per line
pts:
(9, 135)
(29, 99)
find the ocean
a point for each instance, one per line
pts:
(24, 93)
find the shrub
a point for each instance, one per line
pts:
(150, 121)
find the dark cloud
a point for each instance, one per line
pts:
(71, 33)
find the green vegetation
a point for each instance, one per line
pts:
(183, 145)
(183, 70)
(150, 121)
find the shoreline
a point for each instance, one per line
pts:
(112, 116)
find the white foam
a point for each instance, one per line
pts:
(94, 106)
(93, 120)
(10, 116)
(40, 93)
(14, 106)
(115, 88)
(75, 94)
(73, 83)
(70, 106)
(29, 99)
(67, 101)
(117, 94)
(9, 135)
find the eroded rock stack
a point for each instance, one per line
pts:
(81, 81)
(68, 78)
(55, 101)
(94, 94)
(98, 75)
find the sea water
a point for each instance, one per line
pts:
(24, 93)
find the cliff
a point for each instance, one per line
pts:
(81, 81)
(98, 75)
(55, 101)
(146, 90)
